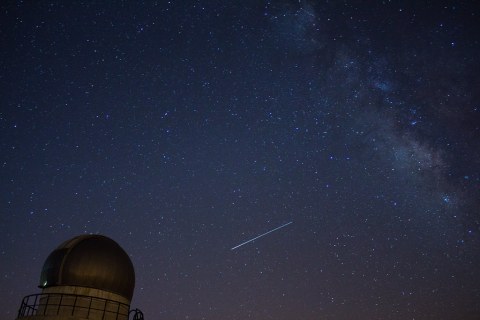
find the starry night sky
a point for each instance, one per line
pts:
(182, 129)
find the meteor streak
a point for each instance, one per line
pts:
(241, 244)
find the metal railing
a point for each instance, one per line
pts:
(49, 304)
(137, 314)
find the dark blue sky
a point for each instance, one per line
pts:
(182, 129)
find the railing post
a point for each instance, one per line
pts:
(21, 308)
(89, 307)
(59, 304)
(74, 305)
(104, 309)
(34, 304)
(46, 305)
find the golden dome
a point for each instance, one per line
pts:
(93, 261)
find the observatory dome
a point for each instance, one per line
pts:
(92, 261)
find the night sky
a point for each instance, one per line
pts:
(182, 129)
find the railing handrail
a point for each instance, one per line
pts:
(30, 308)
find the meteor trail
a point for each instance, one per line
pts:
(241, 244)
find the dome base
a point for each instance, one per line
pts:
(74, 303)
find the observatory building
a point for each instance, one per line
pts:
(87, 277)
